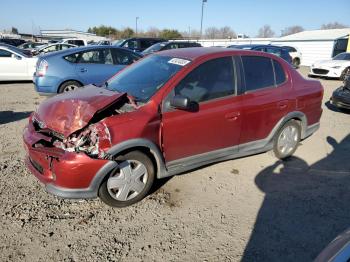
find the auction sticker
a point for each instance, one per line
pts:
(179, 61)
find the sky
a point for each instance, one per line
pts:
(243, 16)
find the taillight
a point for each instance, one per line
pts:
(42, 67)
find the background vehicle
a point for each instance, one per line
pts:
(166, 114)
(104, 42)
(69, 69)
(169, 45)
(30, 45)
(74, 41)
(295, 54)
(276, 50)
(337, 67)
(15, 64)
(341, 96)
(138, 44)
(51, 48)
(12, 41)
(338, 250)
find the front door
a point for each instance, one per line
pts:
(215, 127)
(13, 66)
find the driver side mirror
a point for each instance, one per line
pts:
(184, 103)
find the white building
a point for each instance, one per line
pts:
(317, 44)
(68, 33)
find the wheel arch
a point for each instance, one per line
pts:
(295, 115)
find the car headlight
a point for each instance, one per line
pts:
(335, 67)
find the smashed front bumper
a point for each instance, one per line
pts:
(65, 174)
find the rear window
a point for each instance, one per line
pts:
(279, 73)
(258, 72)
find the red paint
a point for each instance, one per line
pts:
(219, 123)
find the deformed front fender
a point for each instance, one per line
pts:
(143, 143)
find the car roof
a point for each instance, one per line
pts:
(194, 53)
(85, 48)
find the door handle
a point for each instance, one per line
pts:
(83, 70)
(232, 116)
(282, 104)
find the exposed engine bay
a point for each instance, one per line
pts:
(94, 139)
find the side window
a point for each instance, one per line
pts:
(279, 73)
(274, 51)
(107, 56)
(91, 57)
(210, 80)
(72, 58)
(173, 46)
(261, 49)
(122, 57)
(258, 72)
(132, 44)
(78, 42)
(145, 43)
(50, 49)
(4, 53)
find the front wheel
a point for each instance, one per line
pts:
(287, 140)
(129, 182)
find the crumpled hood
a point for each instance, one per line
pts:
(71, 111)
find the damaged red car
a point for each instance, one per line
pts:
(167, 114)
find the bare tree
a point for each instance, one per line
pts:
(334, 25)
(212, 32)
(266, 32)
(152, 32)
(292, 30)
(227, 32)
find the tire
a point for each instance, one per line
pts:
(344, 73)
(69, 86)
(287, 140)
(129, 182)
(296, 62)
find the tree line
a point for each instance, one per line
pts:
(209, 33)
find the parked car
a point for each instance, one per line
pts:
(72, 68)
(337, 67)
(15, 64)
(138, 44)
(74, 41)
(104, 42)
(12, 41)
(30, 45)
(338, 250)
(166, 114)
(276, 50)
(295, 54)
(169, 45)
(51, 48)
(341, 96)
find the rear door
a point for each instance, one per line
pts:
(217, 123)
(265, 98)
(95, 66)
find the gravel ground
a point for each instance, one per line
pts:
(251, 209)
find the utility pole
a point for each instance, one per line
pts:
(137, 18)
(203, 1)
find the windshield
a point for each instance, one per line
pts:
(118, 42)
(342, 56)
(154, 48)
(143, 79)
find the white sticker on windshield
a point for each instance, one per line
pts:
(179, 61)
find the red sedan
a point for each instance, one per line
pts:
(166, 114)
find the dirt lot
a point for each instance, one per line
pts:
(250, 209)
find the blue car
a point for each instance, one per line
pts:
(272, 49)
(69, 69)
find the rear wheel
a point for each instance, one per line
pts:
(296, 62)
(287, 139)
(69, 86)
(129, 182)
